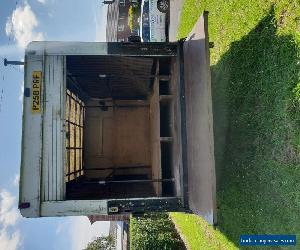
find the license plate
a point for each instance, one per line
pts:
(36, 91)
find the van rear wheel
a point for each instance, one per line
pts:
(163, 6)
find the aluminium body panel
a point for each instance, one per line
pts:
(53, 160)
(30, 174)
(43, 137)
(73, 208)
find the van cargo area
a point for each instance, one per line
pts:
(119, 127)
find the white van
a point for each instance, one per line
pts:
(114, 128)
(153, 20)
(91, 142)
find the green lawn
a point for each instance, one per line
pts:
(198, 234)
(256, 103)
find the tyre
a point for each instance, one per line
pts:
(134, 39)
(163, 6)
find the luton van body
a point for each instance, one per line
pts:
(114, 128)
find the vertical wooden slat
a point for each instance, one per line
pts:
(83, 147)
(69, 140)
(75, 139)
(80, 138)
(155, 134)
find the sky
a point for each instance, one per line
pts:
(21, 22)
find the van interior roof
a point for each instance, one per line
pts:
(115, 77)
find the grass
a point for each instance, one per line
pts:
(198, 234)
(256, 103)
(154, 231)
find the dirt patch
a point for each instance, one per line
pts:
(282, 18)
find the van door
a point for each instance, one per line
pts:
(199, 123)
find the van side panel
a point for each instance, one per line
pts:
(30, 177)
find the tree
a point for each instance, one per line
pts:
(102, 243)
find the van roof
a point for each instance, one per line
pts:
(66, 48)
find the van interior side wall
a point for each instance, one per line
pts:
(128, 128)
